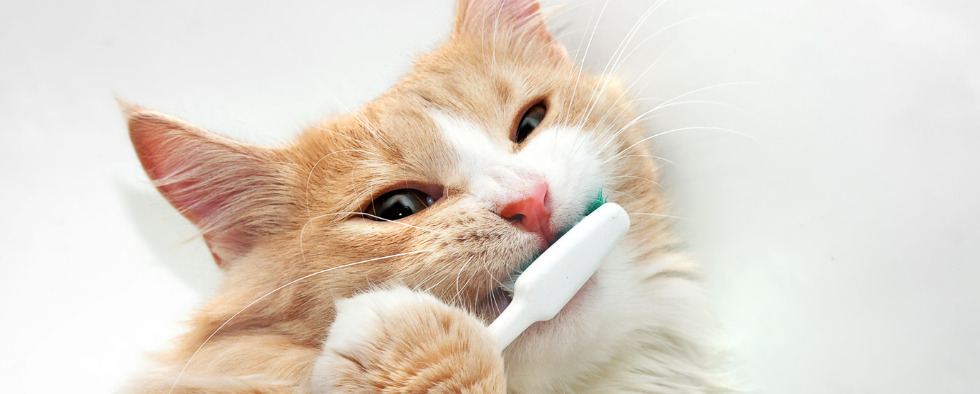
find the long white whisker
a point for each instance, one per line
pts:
(672, 131)
(614, 59)
(310, 176)
(656, 157)
(641, 116)
(444, 277)
(637, 79)
(642, 178)
(458, 290)
(302, 231)
(659, 215)
(571, 99)
(640, 45)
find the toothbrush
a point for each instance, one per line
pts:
(544, 288)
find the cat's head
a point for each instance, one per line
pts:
(450, 182)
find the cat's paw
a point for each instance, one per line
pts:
(401, 341)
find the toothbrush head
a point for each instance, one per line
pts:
(597, 202)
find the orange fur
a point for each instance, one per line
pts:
(274, 215)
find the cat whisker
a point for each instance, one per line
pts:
(467, 283)
(622, 61)
(444, 277)
(310, 176)
(614, 59)
(624, 107)
(419, 283)
(637, 79)
(675, 98)
(665, 28)
(493, 40)
(641, 178)
(581, 66)
(535, 54)
(658, 158)
(302, 252)
(394, 221)
(458, 289)
(672, 131)
(660, 215)
(486, 267)
(562, 113)
(530, 37)
(302, 231)
(614, 191)
(177, 380)
(374, 132)
(667, 105)
(644, 114)
(659, 107)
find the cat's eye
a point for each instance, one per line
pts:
(529, 121)
(398, 204)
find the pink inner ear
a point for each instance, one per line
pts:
(215, 182)
(170, 162)
(520, 11)
(503, 14)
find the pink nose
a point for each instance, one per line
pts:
(531, 213)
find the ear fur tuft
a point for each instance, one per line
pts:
(233, 192)
(515, 20)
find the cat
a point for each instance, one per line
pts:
(370, 254)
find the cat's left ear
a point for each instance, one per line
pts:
(518, 21)
(235, 193)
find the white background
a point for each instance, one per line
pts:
(840, 241)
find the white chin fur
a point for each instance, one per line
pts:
(628, 333)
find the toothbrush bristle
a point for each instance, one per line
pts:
(596, 203)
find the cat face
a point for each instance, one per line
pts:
(449, 183)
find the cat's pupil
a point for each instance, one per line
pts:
(529, 121)
(399, 204)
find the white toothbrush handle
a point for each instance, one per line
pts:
(511, 323)
(553, 278)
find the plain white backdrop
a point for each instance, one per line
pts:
(839, 239)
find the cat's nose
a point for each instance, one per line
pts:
(531, 213)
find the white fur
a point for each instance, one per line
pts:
(628, 332)
(564, 157)
(358, 320)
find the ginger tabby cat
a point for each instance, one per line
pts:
(370, 254)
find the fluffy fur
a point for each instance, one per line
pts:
(284, 224)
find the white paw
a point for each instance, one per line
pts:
(362, 317)
(365, 327)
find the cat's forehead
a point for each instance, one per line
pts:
(464, 81)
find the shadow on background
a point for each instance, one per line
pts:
(173, 240)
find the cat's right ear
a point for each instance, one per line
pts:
(235, 193)
(520, 21)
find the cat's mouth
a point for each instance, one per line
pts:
(501, 296)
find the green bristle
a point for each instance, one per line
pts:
(596, 203)
(599, 200)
